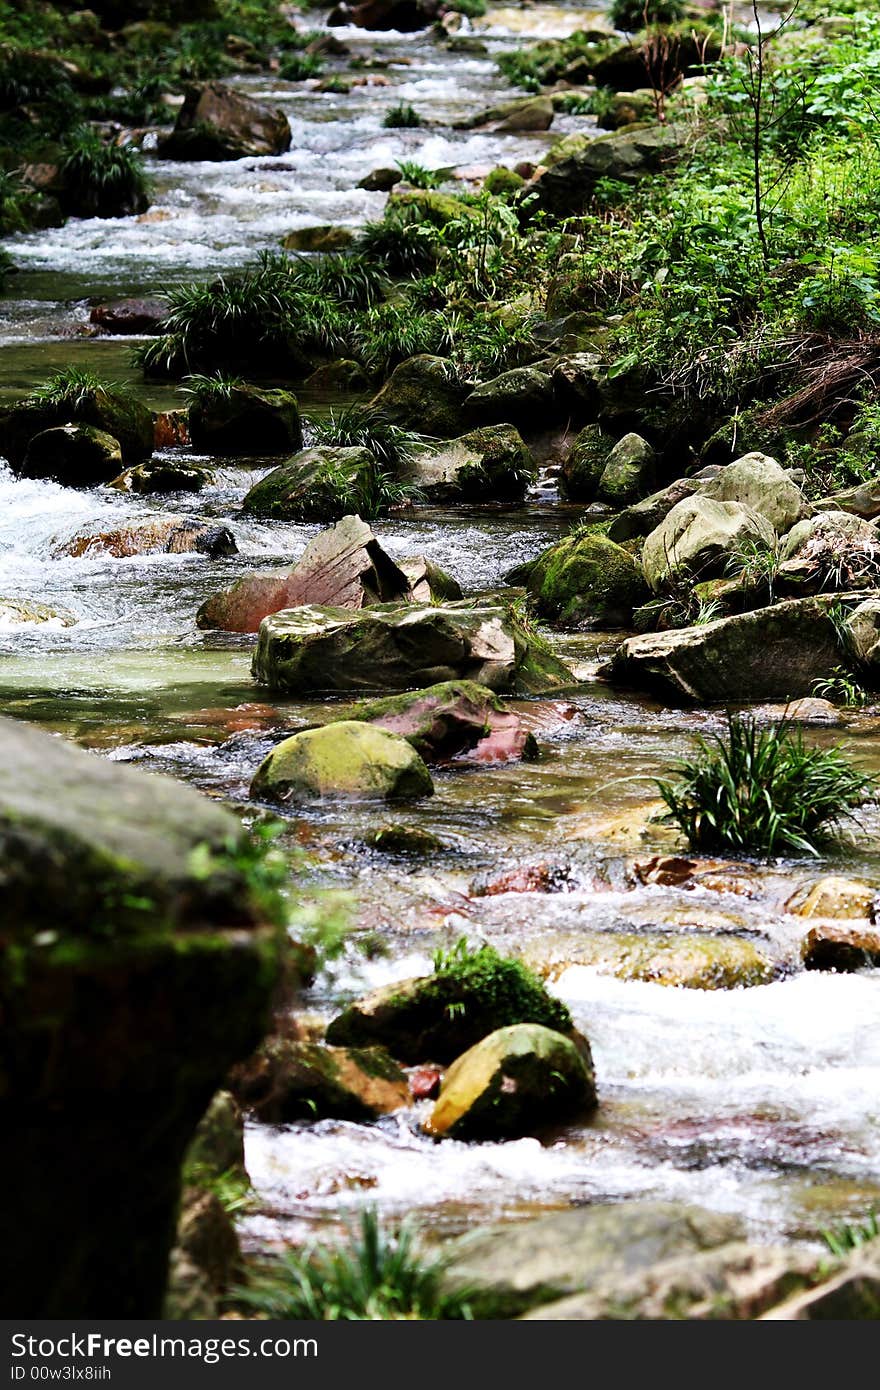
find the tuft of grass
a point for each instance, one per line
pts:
(843, 1240)
(403, 243)
(361, 426)
(842, 689)
(102, 180)
(300, 66)
(402, 117)
(502, 990)
(206, 390)
(70, 389)
(378, 1276)
(633, 15)
(762, 791)
(417, 176)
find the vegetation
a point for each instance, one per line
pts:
(402, 117)
(380, 1275)
(360, 426)
(70, 389)
(419, 177)
(843, 1240)
(502, 990)
(762, 791)
(631, 15)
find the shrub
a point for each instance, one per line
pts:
(102, 180)
(403, 243)
(300, 66)
(360, 426)
(632, 15)
(379, 1276)
(419, 177)
(762, 791)
(402, 117)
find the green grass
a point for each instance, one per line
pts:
(632, 15)
(417, 176)
(505, 990)
(763, 791)
(360, 426)
(102, 180)
(70, 389)
(208, 390)
(843, 1240)
(378, 1276)
(402, 117)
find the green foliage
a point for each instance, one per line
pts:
(254, 858)
(419, 177)
(232, 1188)
(756, 563)
(474, 9)
(502, 989)
(842, 689)
(403, 243)
(15, 203)
(844, 1239)
(402, 117)
(207, 390)
(300, 66)
(632, 15)
(762, 791)
(102, 180)
(70, 389)
(380, 1275)
(363, 426)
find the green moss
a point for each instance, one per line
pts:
(587, 579)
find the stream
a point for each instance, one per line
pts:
(760, 1101)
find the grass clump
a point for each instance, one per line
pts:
(102, 180)
(70, 389)
(417, 176)
(214, 389)
(502, 991)
(632, 15)
(762, 791)
(843, 1240)
(378, 1276)
(402, 117)
(360, 426)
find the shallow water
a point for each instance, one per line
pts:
(761, 1101)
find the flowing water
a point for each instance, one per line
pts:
(762, 1101)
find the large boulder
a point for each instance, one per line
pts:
(487, 465)
(75, 455)
(287, 1080)
(163, 475)
(247, 420)
(863, 635)
(862, 500)
(518, 396)
(216, 123)
(129, 919)
(516, 1081)
(585, 463)
(446, 720)
(423, 394)
(758, 481)
(529, 113)
(346, 759)
(344, 567)
(406, 16)
(587, 580)
(392, 647)
(641, 518)
(627, 156)
(775, 653)
(114, 412)
(699, 537)
(315, 485)
(519, 1265)
(832, 550)
(628, 473)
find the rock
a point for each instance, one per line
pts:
(206, 1238)
(428, 582)
(734, 1282)
(24, 610)
(776, 653)
(344, 567)
(171, 429)
(809, 710)
(833, 896)
(431, 205)
(345, 759)
(862, 500)
(644, 517)
(423, 394)
(632, 829)
(406, 16)
(863, 634)
(534, 113)
(833, 550)
(403, 839)
(163, 475)
(585, 463)
(523, 1264)
(515, 1081)
(662, 958)
(113, 412)
(545, 877)
(626, 156)
(440, 1016)
(699, 536)
(216, 123)
(586, 580)
(381, 180)
(340, 377)
(841, 946)
(577, 378)
(129, 316)
(449, 719)
(516, 396)
(247, 421)
(217, 1147)
(324, 238)
(121, 948)
(424, 1082)
(391, 648)
(487, 465)
(307, 486)
(758, 482)
(850, 1295)
(628, 473)
(75, 455)
(171, 535)
(188, 1294)
(286, 1081)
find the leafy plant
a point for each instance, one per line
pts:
(419, 177)
(843, 1240)
(365, 427)
(232, 1188)
(102, 180)
(761, 790)
(208, 389)
(299, 66)
(757, 564)
(70, 389)
(402, 117)
(380, 1275)
(842, 689)
(496, 988)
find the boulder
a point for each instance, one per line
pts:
(515, 1081)
(128, 920)
(171, 429)
(424, 394)
(775, 653)
(522, 1264)
(163, 475)
(406, 16)
(206, 1239)
(345, 759)
(428, 582)
(491, 464)
(380, 180)
(129, 316)
(438, 1017)
(832, 550)
(309, 486)
(344, 567)
(758, 482)
(585, 464)
(863, 635)
(448, 720)
(342, 377)
(851, 1294)
(841, 946)
(324, 238)
(628, 473)
(833, 896)
(587, 580)
(529, 114)
(700, 536)
(106, 409)
(217, 1147)
(578, 382)
(248, 420)
(75, 455)
(862, 500)
(643, 517)
(389, 648)
(432, 206)
(217, 123)
(287, 1080)
(516, 396)
(627, 156)
(170, 535)
(14, 611)
(675, 959)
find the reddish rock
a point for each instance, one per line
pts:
(172, 429)
(424, 1082)
(548, 716)
(123, 316)
(840, 946)
(680, 871)
(216, 122)
(528, 878)
(454, 719)
(173, 535)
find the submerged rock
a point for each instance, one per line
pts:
(216, 122)
(287, 1080)
(24, 610)
(248, 420)
(487, 465)
(841, 946)
(675, 959)
(833, 896)
(515, 1081)
(344, 759)
(171, 535)
(449, 719)
(587, 580)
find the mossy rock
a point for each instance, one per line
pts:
(699, 536)
(486, 465)
(163, 475)
(325, 237)
(346, 759)
(442, 720)
(629, 472)
(515, 1081)
(306, 487)
(423, 394)
(516, 396)
(217, 1147)
(583, 468)
(248, 421)
(503, 180)
(587, 579)
(438, 1017)
(673, 959)
(114, 413)
(288, 1080)
(74, 455)
(433, 207)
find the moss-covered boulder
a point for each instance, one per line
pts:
(587, 579)
(699, 537)
(246, 420)
(163, 475)
(432, 205)
(626, 156)
(345, 759)
(423, 394)
(287, 1080)
(515, 1081)
(438, 1017)
(113, 412)
(491, 464)
(136, 967)
(449, 719)
(533, 113)
(75, 455)
(315, 485)
(759, 482)
(629, 472)
(324, 237)
(585, 463)
(390, 647)
(521, 396)
(217, 122)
